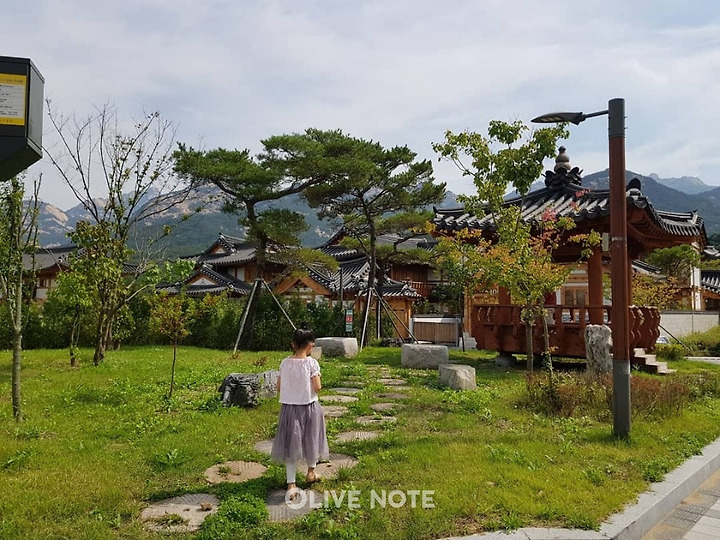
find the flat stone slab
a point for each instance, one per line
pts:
(421, 356)
(375, 420)
(392, 395)
(280, 509)
(337, 398)
(264, 447)
(334, 411)
(192, 510)
(344, 390)
(392, 382)
(384, 407)
(338, 346)
(329, 469)
(348, 436)
(234, 472)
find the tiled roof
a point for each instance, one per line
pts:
(645, 268)
(710, 280)
(353, 276)
(582, 205)
(223, 282)
(49, 257)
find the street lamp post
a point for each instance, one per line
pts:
(618, 251)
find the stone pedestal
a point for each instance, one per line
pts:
(598, 348)
(421, 356)
(338, 346)
(458, 377)
(246, 389)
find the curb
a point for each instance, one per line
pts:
(636, 519)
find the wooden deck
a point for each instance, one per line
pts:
(499, 328)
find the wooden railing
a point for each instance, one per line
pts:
(500, 328)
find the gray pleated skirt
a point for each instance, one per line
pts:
(300, 434)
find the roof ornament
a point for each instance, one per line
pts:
(562, 161)
(563, 174)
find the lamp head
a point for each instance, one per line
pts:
(559, 117)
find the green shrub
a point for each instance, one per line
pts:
(672, 351)
(574, 395)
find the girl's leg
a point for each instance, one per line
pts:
(290, 470)
(311, 476)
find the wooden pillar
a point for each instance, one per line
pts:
(595, 285)
(503, 318)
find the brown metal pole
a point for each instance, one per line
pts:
(619, 270)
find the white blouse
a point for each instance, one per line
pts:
(295, 385)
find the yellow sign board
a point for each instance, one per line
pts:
(13, 89)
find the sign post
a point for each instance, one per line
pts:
(21, 115)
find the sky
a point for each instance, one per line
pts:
(402, 72)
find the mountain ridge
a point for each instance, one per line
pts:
(199, 220)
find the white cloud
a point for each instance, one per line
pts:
(234, 72)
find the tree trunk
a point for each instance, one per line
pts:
(172, 374)
(99, 340)
(74, 337)
(17, 350)
(529, 345)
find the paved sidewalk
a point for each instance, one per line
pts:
(696, 517)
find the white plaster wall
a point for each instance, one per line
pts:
(682, 323)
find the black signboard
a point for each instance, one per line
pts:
(21, 115)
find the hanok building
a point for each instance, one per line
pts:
(496, 324)
(229, 266)
(46, 264)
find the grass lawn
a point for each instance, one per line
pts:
(101, 443)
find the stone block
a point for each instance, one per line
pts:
(338, 346)
(421, 356)
(598, 348)
(246, 389)
(457, 376)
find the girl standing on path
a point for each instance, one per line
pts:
(301, 426)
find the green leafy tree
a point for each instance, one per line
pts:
(68, 304)
(122, 176)
(18, 235)
(520, 255)
(171, 317)
(288, 165)
(676, 262)
(381, 191)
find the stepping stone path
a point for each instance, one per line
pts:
(392, 395)
(329, 469)
(264, 447)
(326, 469)
(337, 398)
(180, 514)
(392, 382)
(234, 471)
(384, 407)
(375, 420)
(280, 510)
(344, 390)
(334, 411)
(348, 436)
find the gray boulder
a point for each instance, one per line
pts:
(338, 346)
(598, 348)
(247, 389)
(422, 356)
(457, 376)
